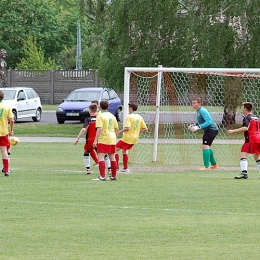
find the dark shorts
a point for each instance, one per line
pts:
(209, 136)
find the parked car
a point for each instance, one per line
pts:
(75, 106)
(24, 102)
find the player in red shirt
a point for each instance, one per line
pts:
(89, 128)
(251, 144)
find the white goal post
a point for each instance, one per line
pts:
(164, 98)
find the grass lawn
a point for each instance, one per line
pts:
(50, 209)
(71, 130)
(153, 108)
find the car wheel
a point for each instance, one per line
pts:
(14, 116)
(118, 114)
(38, 116)
(60, 121)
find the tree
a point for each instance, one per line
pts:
(83, 14)
(184, 33)
(180, 33)
(138, 34)
(51, 25)
(34, 57)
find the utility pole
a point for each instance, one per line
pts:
(79, 51)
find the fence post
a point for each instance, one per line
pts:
(52, 88)
(96, 78)
(9, 78)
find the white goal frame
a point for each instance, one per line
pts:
(160, 70)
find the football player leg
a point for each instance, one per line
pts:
(207, 153)
(86, 158)
(125, 160)
(108, 163)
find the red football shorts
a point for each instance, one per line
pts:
(4, 140)
(251, 148)
(255, 148)
(89, 146)
(106, 148)
(124, 146)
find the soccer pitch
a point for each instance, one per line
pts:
(50, 209)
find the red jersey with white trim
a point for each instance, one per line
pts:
(90, 125)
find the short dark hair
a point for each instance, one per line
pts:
(198, 99)
(92, 108)
(104, 104)
(133, 106)
(248, 106)
(1, 95)
(95, 102)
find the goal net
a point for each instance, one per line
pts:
(164, 98)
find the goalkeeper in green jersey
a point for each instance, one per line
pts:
(205, 122)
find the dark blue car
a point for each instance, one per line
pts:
(75, 106)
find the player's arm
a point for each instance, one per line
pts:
(207, 118)
(10, 121)
(143, 130)
(11, 125)
(125, 129)
(238, 130)
(117, 131)
(81, 133)
(127, 125)
(99, 129)
(143, 127)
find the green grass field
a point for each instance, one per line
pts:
(153, 108)
(50, 209)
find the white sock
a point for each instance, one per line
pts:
(86, 159)
(243, 165)
(107, 161)
(258, 165)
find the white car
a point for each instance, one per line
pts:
(24, 102)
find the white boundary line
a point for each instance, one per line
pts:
(134, 208)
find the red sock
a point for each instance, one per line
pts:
(5, 165)
(125, 160)
(102, 169)
(117, 160)
(93, 154)
(113, 168)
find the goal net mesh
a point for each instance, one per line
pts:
(169, 104)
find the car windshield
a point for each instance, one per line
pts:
(9, 94)
(83, 96)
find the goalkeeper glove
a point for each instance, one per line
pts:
(196, 127)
